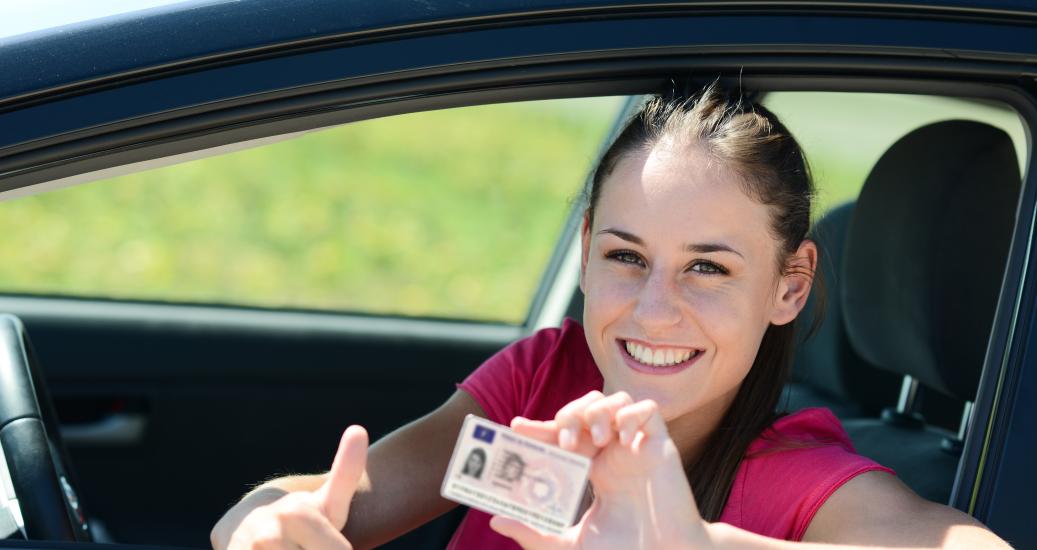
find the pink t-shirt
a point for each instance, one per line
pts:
(775, 492)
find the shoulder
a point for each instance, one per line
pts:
(545, 349)
(513, 381)
(810, 428)
(877, 509)
(549, 341)
(790, 471)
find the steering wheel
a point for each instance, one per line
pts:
(32, 464)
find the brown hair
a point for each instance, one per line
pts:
(748, 140)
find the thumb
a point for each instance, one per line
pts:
(347, 469)
(527, 537)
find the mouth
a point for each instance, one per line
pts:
(648, 359)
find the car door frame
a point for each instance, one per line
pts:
(296, 87)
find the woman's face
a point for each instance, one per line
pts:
(512, 470)
(474, 463)
(681, 280)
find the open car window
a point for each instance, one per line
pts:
(450, 214)
(454, 214)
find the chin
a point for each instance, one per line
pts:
(675, 407)
(673, 402)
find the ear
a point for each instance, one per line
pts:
(795, 284)
(585, 247)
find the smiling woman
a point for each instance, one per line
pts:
(677, 257)
(695, 247)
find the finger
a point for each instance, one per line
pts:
(642, 416)
(570, 420)
(527, 537)
(599, 415)
(545, 431)
(316, 532)
(347, 469)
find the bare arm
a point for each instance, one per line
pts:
(876, 510)
(399, 489)
(404, 472)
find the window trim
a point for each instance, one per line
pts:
(618, 72)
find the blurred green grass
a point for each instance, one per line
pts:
(444, 214)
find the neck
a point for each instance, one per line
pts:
(691, 431)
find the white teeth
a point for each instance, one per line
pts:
(658, 357)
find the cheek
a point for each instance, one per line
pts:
(606, 293)
(717, 311)
(728, 318)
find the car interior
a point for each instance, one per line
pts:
(894, 354)
(909, 305)
(170, 410)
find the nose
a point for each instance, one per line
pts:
(658, 304)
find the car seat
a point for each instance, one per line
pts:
(826, 371)
(924, 260)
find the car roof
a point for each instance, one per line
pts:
(81, 99)
(206, 31)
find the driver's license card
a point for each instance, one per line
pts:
(498, 471)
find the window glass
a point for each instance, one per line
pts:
(450, 213)
(845, 134)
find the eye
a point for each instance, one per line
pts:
(626, 257)
(707, 268)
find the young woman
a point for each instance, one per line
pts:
(695, 267)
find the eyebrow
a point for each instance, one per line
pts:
(701, 248)
(623, 235)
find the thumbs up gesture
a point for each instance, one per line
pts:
(337, 492)
(307, 519)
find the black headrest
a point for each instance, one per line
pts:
(926, 252)
(819, 359)
(825, 361)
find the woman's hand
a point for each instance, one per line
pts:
(642, 498)
(306, 519)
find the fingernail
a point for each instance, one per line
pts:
(566, 438)
(625, 436)
(598, 434)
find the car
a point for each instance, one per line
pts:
(144, 390)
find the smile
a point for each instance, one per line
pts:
(657, 360)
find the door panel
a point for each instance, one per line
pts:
(225, 409)
(173, 410)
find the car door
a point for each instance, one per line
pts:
(207, 384)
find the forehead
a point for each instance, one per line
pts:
(680, 192)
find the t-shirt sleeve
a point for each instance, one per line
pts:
(839, 466)
(784, 487)
(503, 383)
